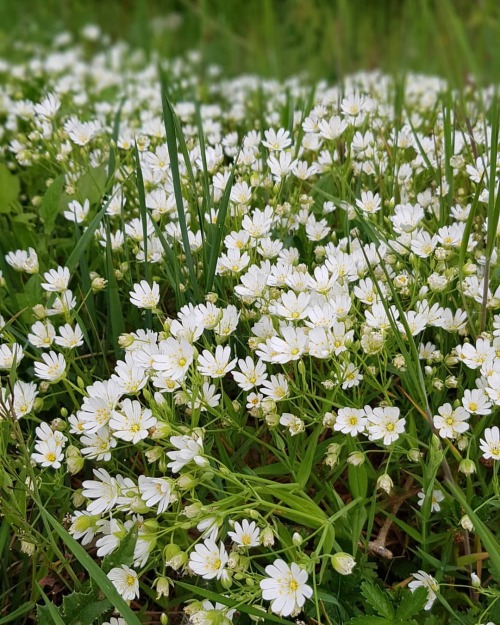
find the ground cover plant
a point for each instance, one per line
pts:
(250, 343)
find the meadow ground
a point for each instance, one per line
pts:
(249, 312)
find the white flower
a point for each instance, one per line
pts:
(57, 280)
(42, 334)
(105, 492)
(10, 356)
(23, 398)
(216, 366)
(145, 296)
(385, 424)
(190, 449)
(427, 581)
(245, 534)
(285, 587)
(451, 423)
(69, 337)
(350, 421)
(476, 402)
(490, 444)
(49, 453)
(251, 374)
(436, 497)
(156, 490)
(209, 560)
(77, 212)
(175, 358)
(125, 581)
(53, 367)
(132, 423)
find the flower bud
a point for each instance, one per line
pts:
(343, 563)
(162, 585)
(267, 537)
(385, 483)
(356, 458)
(466, 523)
(415, 455)
(475, 580)
(297, 539)
(467, 467)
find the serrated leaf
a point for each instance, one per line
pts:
(412, 603)
(378, 599)
(49, 208)
(9, 189)
(48, 614)
(83, 608)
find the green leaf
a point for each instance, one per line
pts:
(358, 480)
(49, 208)
(9, 189)
(125, 552)
(307, 461)
(412, 603)
(83, 608)
(377, 599)
(92, 184)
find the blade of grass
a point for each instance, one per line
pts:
(169, 120)
(116, 320)
(144, 219)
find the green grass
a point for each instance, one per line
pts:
(282, 37)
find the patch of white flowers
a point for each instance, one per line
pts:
(305, 336)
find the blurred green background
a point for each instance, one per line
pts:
(454, 38)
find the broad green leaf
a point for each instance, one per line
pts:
(307, 461)
(9, 189)
(92, 184)
(125, 552)
(51, 202)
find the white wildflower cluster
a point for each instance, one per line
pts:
(287, 300)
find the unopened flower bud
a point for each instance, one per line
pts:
(475, 580)
(467, 467)
(343, 563)
(267, 537)
(297, 539)
(162, 585)
(385, 483)
(356, 458)
(466, 523)
(414, 455)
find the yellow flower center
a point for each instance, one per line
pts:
(50, 456)
(390, 427)
(473, 406)
(246, 539)
(182, 361)
(293, 585)
(130, 580)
